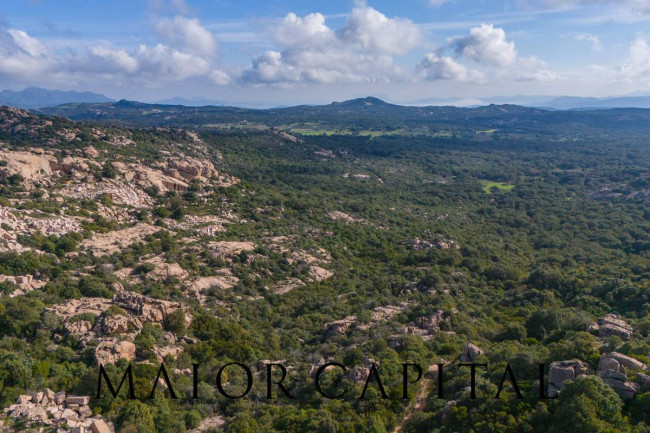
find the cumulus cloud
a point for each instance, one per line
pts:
(310, 51)
(21, 54)
(435, 67)
(592, 39)
(489, 46)
(186, 34)
(635, 68)
(310, 29)
(486, 44)
(189, 52)
(377, 33)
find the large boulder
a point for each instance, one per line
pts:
(109, 352)
(191, 168)
(562, 371)
(611, 324)
(619, 362)
(619, 383)
(471, 352)
(340, 327)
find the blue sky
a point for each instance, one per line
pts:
(286, 52)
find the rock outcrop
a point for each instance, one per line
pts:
(611, 324)
(562, 371)
(471, 352)
(108, 243)
(613, 369)
(29, 165)
(147, 309)
(109, 352)
(66, 413)
(340, 327)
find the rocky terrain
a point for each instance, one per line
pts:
(66, 413)
(135, 246)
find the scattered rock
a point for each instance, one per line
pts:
(471, 351)
(340, 327)
(102, 244)
(71, 414)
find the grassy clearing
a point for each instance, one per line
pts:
(489, 184)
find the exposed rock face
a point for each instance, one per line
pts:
(286, 285)
(613, 368)
(619, 362)
(24, 283)
(319, 274)
(90, 152)
(222, 282)
(163, 271)
(119, 192)
(164, 352)
(191, 168)
(562, 371)
(109, 352)
(471, 352)
(106, 325)
(146, 308)
(611, 324)
(75, 307)
(108, 243)
(337, 215)
(209, 424)
(64, 413)
(619, 382)
(427, 326)
(146, 176)
(439, 244)
(29, 165)
(340, 327)
(227, 250)
(22, 223)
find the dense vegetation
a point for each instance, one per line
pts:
(553, 229)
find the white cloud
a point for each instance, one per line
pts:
(22, 55)
(486, 44)
(190, 54)
(310, 29)
(635, 68)
(311, 52)
(586, 37)
(186, 34)
(379, 34)
(435, 67)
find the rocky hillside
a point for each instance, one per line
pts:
(245, 243)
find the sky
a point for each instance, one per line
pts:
(273, 53)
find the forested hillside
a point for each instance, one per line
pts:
(359, 233)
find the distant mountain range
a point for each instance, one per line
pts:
(573, 103)
(36, 97)
(363, 114)
(194, 102)
(545, 101)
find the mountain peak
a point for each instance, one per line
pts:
(37, 97)
(362, 102)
